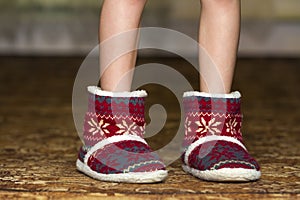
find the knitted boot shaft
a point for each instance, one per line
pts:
(206, 116)
(113, 115)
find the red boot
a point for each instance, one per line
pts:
(213, 144)
(114, 149)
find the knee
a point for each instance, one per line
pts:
(218, 3)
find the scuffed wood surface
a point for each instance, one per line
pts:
(38, 141)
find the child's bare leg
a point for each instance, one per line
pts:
(114, 118)
(117, 17)
(218, 117)
(218, 37)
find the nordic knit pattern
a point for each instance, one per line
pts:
(109, 116)
(210, 116)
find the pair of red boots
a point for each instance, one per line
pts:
(114, 148)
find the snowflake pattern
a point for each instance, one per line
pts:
(208, 126)
(231, 126)
(127, 129)
(100, 127)
(187, 127)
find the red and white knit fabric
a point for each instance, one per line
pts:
(113, 139)
(213, 144)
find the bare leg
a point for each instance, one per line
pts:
(118, 17)
(218, 37)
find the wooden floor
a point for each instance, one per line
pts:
(38, 141)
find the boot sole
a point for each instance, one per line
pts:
(131, 177)
(225, 174)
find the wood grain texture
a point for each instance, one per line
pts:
(38, 141)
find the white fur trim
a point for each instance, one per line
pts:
(234, 95)
(109, 140)
(208, 139)
(97, 90)
(224, 174)
(131, 177)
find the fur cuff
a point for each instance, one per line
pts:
(97, 90)
(232, 95)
